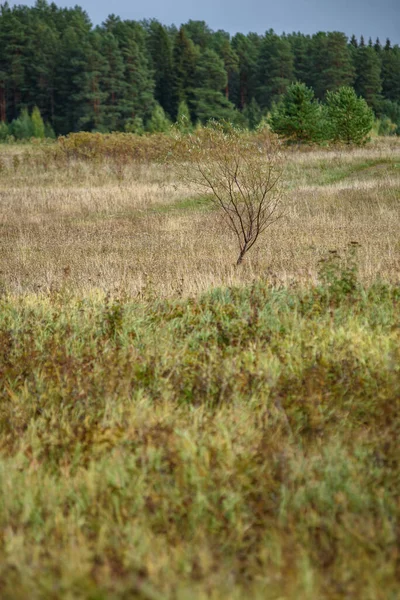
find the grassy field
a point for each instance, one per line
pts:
(173, 427)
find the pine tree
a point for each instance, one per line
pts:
(183, 121)
(301, 51)
(21, 128)
(199, 33)
(91, 95)
(353, 41)
(339, 70)
(368, 83)
(69, 71)
(209, 100)
(378, 46)
(38, 128)
(331, 64)
(231, 63)
(113, 83)
(185, 58)
(298, 116)
(350, 118)
(159, 122)
(243, 84)
(160, 49)
(252, 114)
(391, 72)
(275, 69)
(13, 37)
(42, 51)
(138, 93)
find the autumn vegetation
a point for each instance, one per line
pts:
(174, 425)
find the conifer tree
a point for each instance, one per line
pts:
(21, 128)
(275, 68)
(252, 114)
(38, 128)
(159, 122)
(138, 93)
(301, 51)
(339, 70)
(199, 33)
(113, 83)
(231, 63)
(353, 41)
(391, 72)
(298, 116)
(183, 120)
(350, 118)
(160, 50)
(209, 100)
(368, 83)
(243, 85)
(185, 58)
(378, 46)
(91, 95)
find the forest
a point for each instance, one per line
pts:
(132, 76)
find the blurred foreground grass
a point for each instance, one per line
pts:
(239, 444)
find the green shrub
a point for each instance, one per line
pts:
(298, 117)
(49, 131)
(349, 118)
(183, 120)
(159, 122)
(22, 128)
(38, 126)
(134, 125)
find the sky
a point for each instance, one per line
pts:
(375, 18)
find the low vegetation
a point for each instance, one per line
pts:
(174, 426)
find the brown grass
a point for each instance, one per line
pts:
(106, 226)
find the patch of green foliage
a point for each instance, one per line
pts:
(239, 444)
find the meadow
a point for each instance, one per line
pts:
(173, 426)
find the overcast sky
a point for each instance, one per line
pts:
(368, 17)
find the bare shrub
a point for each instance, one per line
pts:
(241, 171)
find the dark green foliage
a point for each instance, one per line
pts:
(21, 128)
(298, 116)
(110, 76)
(38, 127)
(209, 99)
(4, 132)
(183, 121)
(301, 46)
(243, 85)
(350, 120)
(368, 82)
(253, 114)
(160, 49)
(185, 59)
(389, 109)
(330, 63)
(159, 122)
(391, 72)
(275, 69)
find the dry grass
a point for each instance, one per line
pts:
(102, 226)
(238, 444)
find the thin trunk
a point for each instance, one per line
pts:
(241, 255)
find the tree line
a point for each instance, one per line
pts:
(129, 76)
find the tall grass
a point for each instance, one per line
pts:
(172, 427)
(238, 444)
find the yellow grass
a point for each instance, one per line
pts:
(107, 226)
